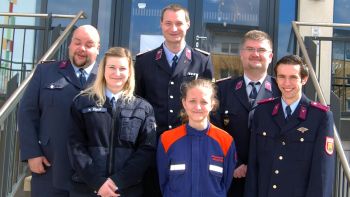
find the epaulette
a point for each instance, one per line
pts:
(204, 52)
(319, 106)
(267, 100)
(141, 53)
(47, 61)
(222, 79)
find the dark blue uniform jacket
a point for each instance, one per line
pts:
(293, 158)
(156, 82)
(133, 143)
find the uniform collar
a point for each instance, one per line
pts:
(87, 69)
(169, 55)
(292, 106)
(110, 95)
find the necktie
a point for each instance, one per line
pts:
(289, 112)
(254, 92)
(82, 77)
(173, 65)
(113, 104)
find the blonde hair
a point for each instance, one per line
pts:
(198, 83)
(97, 89)
(256, 35)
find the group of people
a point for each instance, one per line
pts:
(161, 127)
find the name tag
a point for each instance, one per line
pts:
(177, 167)
(93, 109)
(215, 168)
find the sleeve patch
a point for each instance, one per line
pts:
(329, 145)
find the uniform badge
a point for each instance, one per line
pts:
(329, 146)
(302, 113)
(275, 109)
(302, 129)
(268, 86)
(63, 64)
(226, 119)
(188, 54)
(239, 85)
(159, 54)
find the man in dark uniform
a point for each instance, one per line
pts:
(160, 72)
(291, 151)
(237, 97)
(44, 116)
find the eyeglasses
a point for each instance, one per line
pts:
(253, 50)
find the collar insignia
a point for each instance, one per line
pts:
(63, 64)
(159, 54)
(275, 109)
(268, 86)
(188, 54)
(302, 113)
(239, 85)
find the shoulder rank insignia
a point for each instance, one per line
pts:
(319, 106)
(239, 85)
(275, 109)
(302, 113)
(141, 53)
(268, 86)
(159, 54)
(222, 79)
(302, 129)
(202, 51)
(267, 100)
(329, 146)
(63, 64)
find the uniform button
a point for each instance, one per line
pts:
(52, 86)
(280, 157)
(171, 96)
(226, 111)
(171, 111)
(301, 139)
(276, 171)
(39, 142)
(283, 143)
(274, 186)
(264, 133)
(170, 126)
(171, 82)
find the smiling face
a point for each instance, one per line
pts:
(84, 46)
(116, 73)
(290, 82)
(256, 55)
(197, 104)
(174, 26)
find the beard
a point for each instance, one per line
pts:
(81, 64)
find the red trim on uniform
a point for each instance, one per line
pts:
(168, 138)
(222, 137)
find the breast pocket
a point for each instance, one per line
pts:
(131, 122)
(53, 92)
(216, 172)
(176, 176)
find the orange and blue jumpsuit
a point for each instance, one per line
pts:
(195, 163)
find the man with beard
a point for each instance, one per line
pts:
(44, 116)
(238, 97)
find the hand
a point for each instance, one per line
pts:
(240, 172)
(108, 189)
(36, 164)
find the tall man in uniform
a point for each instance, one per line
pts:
(44, 114)
(239, 96)
(160, 72)
(291, 151)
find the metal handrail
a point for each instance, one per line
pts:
(40, 15)
(11, 102)
(338, 146)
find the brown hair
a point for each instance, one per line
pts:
(175, 8)
(257, 36)
(294, 60)
(205, 83)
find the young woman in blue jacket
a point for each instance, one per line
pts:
(113, 138)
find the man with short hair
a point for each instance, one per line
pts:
(44, 117)
(238, 97)
(292, 145)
